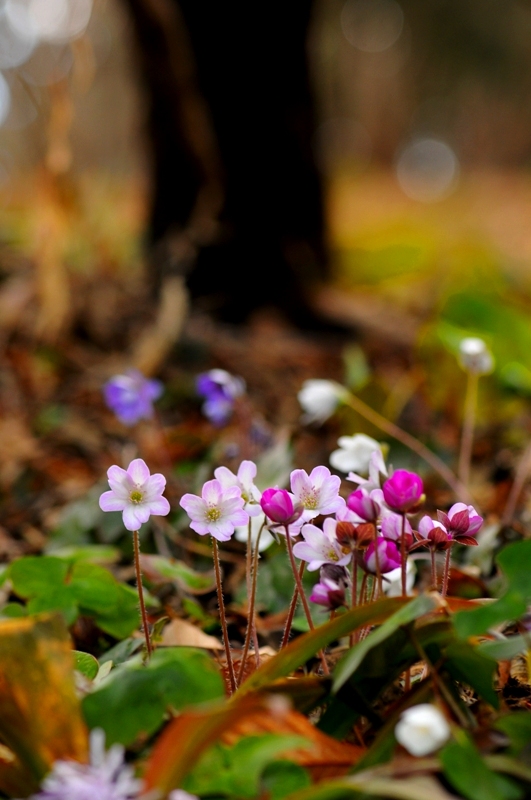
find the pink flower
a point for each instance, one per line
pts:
(391, 525)
(321, 546)
(388, 555)
(318, 493)
(278, 506)
(434, 533)
(461, 519)
(245, 482)
(403, 490)
(135, 493)
(217, 512)
(362, 504)
(328, 593)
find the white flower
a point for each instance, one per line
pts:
(244, 480)
(422, 729)
(354, 453)
(321, 546)
(105, 778)
(180, 794)
(218, 511)
(135, 493)
(392, 581)
(317, 493)
(320, 398)
(475, 357)
(241, 533)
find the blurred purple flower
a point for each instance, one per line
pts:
(362, 503)
(105, 778)
(403, 490)
(218, 511)
(328, 593)
(388, 555)
(135, 493)
(220, 389)
(131, 396)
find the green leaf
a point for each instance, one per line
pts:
(124, 617)
(34, 575)
(134, 699)
(306, 646)
(86, 664)
(504, 649)
(465, 663)
(349, 663)
(12, 610)
(95, 553)
(514, 562)
(56, 598)
(280, 778)
(158, 569)
(517, 727)
(95, 589)
(467, 772)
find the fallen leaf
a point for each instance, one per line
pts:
(181, 633)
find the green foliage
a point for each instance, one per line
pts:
(514, 562)
(236, 771)
(50, 583)
(467, 772)
(133, 700)
(86, 664)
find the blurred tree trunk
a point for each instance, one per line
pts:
(237, 202)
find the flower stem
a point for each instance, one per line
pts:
(459, 489)
(292, 608)
(221, 604)
(298, 581)
(354, 591)
(433, 569)
(377, 560)
(251, 589)
(140, 590)
(467, 436)
(446, 574)
(403, 564)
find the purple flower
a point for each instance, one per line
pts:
(131, 396)
(461, 520)
(362, 504)
(245, 482)
(321, 546)
(388, 555)
(105, 778)
(317, 493)
(217, 512)
(328, 593)
(403, 490)
(135, 493)
(434, 533)
(278, 506)
(220, 389)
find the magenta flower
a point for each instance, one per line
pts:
(245, 482)
(131, 396)
(461, 521)
(388, 556)
(220, 390)
(217, 512)
(403, 490)
(362, 503)
(317, 493)
(328, 593)
(278, 506)
(135, 493)
(321, 546)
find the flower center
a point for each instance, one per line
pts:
(310, 499)
(136, 496)
(332, 555)
(213, 514)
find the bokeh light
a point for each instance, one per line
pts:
(372, 25)
(427, 170)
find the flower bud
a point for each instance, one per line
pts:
(278, 506)
(362, 504)
(403, 490)
(388, 556)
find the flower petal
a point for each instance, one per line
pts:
(194, 506)
(131, 521)
(110, 502)
(211, 492)
(138, 471)
(159, 506)
(154, 487)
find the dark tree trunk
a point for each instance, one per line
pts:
(236, 196)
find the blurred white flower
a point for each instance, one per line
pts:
(475, 356)
(266, 539)
(320, 398)
(354, 453)
(422, 729)
(392, 582)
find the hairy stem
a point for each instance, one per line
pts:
(221, 604)
(446, 573)
(292, 609)
(140, 590)
(251, 589)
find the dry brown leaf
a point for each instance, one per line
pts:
(180, 633)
